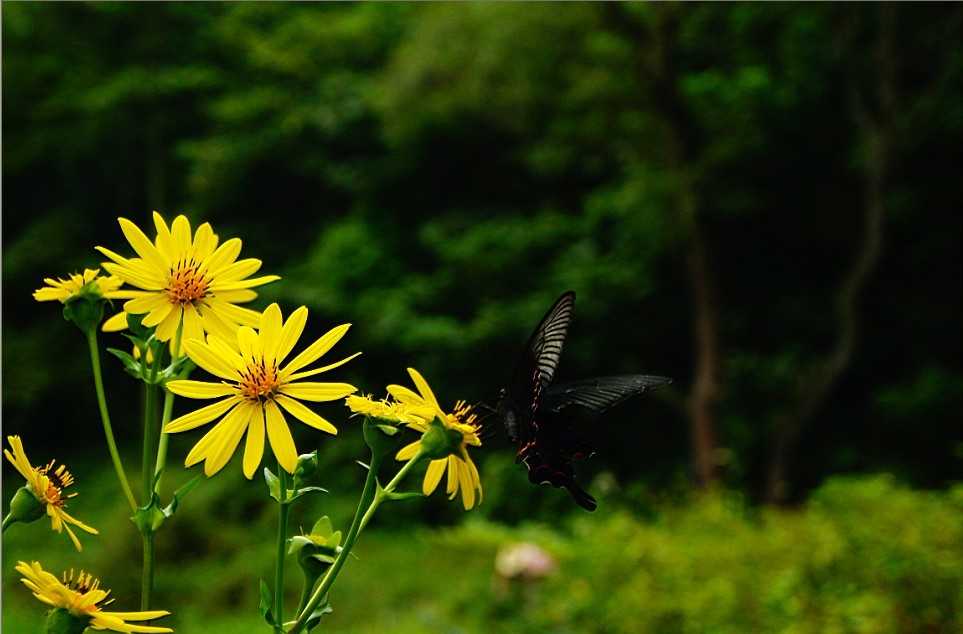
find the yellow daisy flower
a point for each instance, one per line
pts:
(185, 279)
(61, 290)
(82, 598)
(462, 474)
(257, 389)
(390, 411)
(48, 488)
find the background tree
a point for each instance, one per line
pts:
(439, 174)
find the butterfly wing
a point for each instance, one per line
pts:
(600, 393)
(557, 445)
(535, 371)
(550, 458)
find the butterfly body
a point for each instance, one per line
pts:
(534, 410)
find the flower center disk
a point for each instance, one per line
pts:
(186, 285)
(260, 384)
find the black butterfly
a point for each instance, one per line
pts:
(533, 409)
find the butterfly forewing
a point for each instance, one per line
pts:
(600, 393)
(536, 369)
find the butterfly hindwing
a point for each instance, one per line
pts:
(550, 459)
(600, 393)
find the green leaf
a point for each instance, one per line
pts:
(273, 484)
(274, 488)
(323, 558)
(264, 607)
(150, 517)
(323, 526)
(316, 615)
(397, 496)
(294, 496)
(180, 493)
(131, 365)
(135, 326)
(403, 496)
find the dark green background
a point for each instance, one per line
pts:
(437, 174)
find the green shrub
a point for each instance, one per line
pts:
(863, 555)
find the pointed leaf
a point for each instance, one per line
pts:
(294, 496)
(180, 493)
(273, 483)
(131, 365)
(323, 526)
(315, 617)
(404, 496)
(265, 605)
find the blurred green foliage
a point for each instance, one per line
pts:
(864, 555)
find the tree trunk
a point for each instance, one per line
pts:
(655, 43)
(874, 133)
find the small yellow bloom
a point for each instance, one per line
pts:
(61, 290)
(257, 389)
(390, 411)
(186, 280)
(83, 599)
(48, 488)
(462, 474)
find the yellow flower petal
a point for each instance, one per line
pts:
(301, 375)
(168, 327)
(290, 333)
(305, 415)
(163, 241)
(435, 470)
(201, 416)
(223, 255)
(318, 392)
(280, 437)
(200, 389)
(142, 245)
(116, 323)
(269, 332)
(408, 452)
(147, 303)
(181, 234)
(211, 358)
(234, 426)
(316, 349)
(254, 446)
(238, 271)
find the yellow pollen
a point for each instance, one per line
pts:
(56, 483)
(259, 383)
(186, 285)
(464, 415)
(83, 584)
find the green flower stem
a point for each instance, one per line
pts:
(168, 412)
(371, 496)
(146, 470)
(7, 521)
(151, 431)
(383, 494)
(147, 574)
(108, 431)
(162, 443)
(283, 510)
